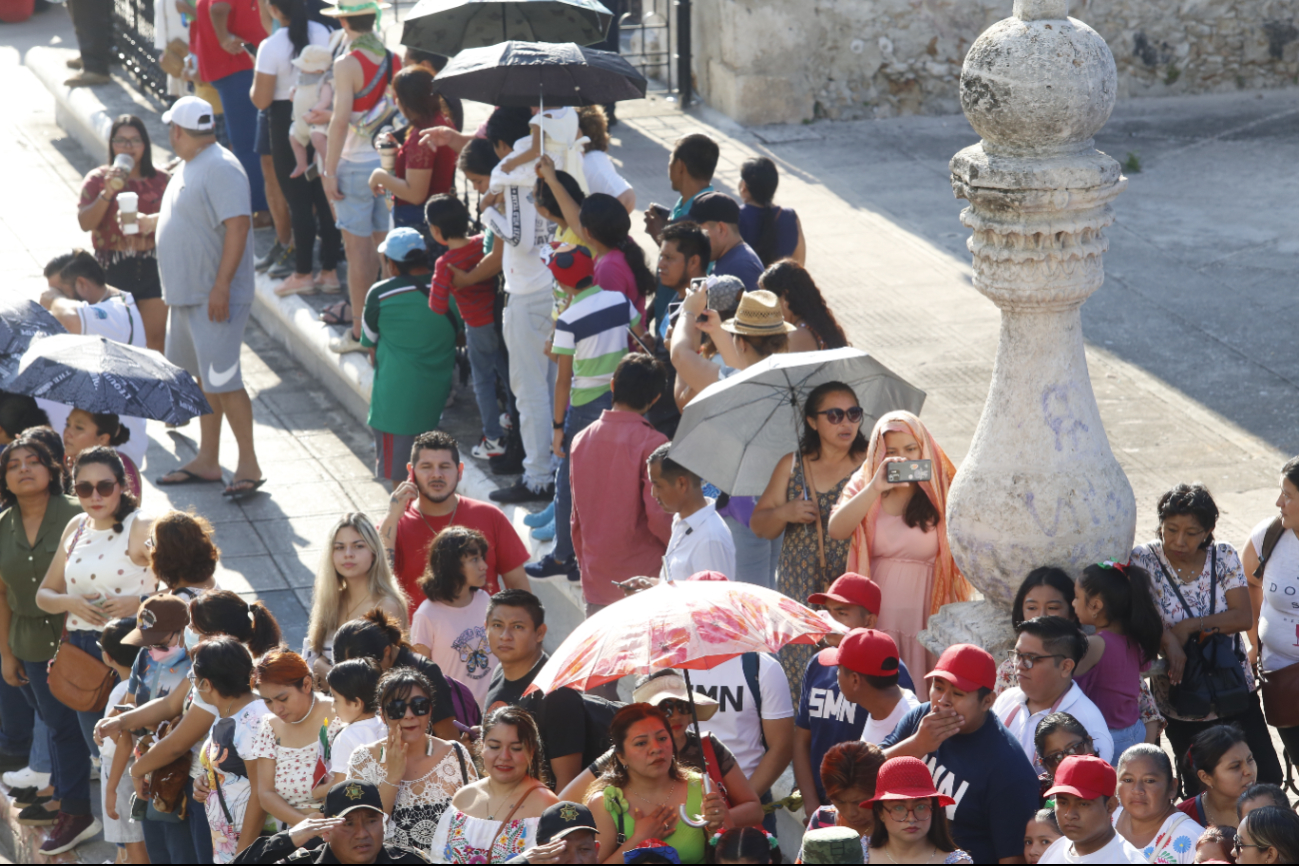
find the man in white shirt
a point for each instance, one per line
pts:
(1046, 654)
(700, 538)
(84, 304)
(868, 665)
(1084, 800)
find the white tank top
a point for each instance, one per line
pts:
(99, 567)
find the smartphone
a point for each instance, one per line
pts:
(124, 708)
(139, 808)
(910, 470)
(698, 284)
(662, 211)
(673, 309)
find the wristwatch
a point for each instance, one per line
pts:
(558, 425)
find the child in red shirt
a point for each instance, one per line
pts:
(448, 222)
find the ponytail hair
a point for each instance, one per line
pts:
(296, 12)
(220, 611)
(368, 636)
(607, 222)
(106, 456)
(1129, 601)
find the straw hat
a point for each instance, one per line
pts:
(347, 10)
(670, 686)
(758, 316)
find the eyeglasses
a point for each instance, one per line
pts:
(673, 707)
(1053, 759)
(1027, 660)
(84, 489)
(396, 708)
(836, 416)
(900, 812)
(1238, 845)
(127, 142)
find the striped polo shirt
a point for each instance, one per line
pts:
(594, 331)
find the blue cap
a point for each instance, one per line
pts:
(399, 243)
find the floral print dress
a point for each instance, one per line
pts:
(224, 760)
(420, 802)
(297, 771)
(461, 838)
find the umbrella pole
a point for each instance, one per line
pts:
(694, 717)
(808, 483)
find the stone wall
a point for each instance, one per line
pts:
(783, 61)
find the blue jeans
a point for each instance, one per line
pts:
(577, 419)
(487, 361)
(241, 126)
(16, 721)
(755, 558)
(170, 841)
(1125, 738)
(68, 753)
(40, 760)
(86, 639)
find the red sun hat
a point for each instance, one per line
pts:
(851, 588)
(570, 264)
(967, 667)
(905, 779)
(709, 575)
(1085, 776)
(864, 651)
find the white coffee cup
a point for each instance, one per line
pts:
(128, 205)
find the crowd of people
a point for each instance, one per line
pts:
(403, 728)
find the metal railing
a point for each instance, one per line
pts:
(133, 36)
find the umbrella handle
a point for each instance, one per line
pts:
(698, 820)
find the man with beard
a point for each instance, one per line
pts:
(427, 503)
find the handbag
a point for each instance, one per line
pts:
(77, 679)
(1279, 689)
(167, 783)
(1213, 679)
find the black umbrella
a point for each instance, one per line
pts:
(22, 321)
(451, 26)
(540, 73)
(100, 375)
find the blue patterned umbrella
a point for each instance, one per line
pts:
(100, 375)
(22, 321)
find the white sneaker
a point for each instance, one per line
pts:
(507, 423)
(489, 448)
(346, 343)
(26, 778)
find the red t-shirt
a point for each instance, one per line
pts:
(476, 302)
(107, 237)
(413, 155)
(214, 62)
(415, 531)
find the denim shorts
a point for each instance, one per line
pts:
(361, 212)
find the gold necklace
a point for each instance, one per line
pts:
(492, 812)
(671, 790)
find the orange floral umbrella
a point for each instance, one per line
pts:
(692, 625)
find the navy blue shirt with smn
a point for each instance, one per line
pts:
(991, 780)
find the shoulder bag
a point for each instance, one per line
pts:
(1213, 679)
(167, 783)
(77, 679)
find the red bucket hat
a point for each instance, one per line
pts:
(905, 779)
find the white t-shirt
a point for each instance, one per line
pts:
(275, 56)
(361, 733)
(1012, 708)
(1278, 625)
(877, 729)
(736, 722)
(1119, 850)
(109, 747)
(601, 175)
(457, 641)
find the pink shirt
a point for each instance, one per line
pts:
(457, 641)
(1114, 684)
(619, 531)
(613, 274)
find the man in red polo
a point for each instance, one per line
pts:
(421, 508)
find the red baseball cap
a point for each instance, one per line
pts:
(1085, 776)
(850, 588)
(967, 667)
(571, 265)
(905, 779)
(864, 651)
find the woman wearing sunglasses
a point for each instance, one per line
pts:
(417, 773)
(292, 745)
(898, 533)
(910, 817)
(101, 570)
(831, 449)
(666, 690)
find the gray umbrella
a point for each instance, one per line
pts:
(22, 321)
(516, 74)
(100, 375)
(450, 26)
(735, 431)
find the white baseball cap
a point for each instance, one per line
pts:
(190, 112)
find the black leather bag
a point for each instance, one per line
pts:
(1213, 680)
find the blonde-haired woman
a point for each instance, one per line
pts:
(353, 577)
(899, 533)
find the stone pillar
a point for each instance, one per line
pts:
(1040, 485)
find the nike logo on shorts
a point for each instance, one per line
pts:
(216, 380)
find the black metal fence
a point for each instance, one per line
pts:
(133, 36)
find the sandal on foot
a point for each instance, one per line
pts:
(337, 314)
(296, 284)
(187, 477)
(241, 487)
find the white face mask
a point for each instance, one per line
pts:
(191, 639)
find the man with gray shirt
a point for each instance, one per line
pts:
(205, 260)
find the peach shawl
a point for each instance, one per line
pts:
(949, 584)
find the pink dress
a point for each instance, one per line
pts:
(902, 563)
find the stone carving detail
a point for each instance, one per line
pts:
(1040, 485)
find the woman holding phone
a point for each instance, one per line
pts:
(899, 533)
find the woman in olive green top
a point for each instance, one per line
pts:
(34, 516)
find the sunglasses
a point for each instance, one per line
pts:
(1053, 759)
(85, 489)
(836, 416)
(396, 708)
(673, 707)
